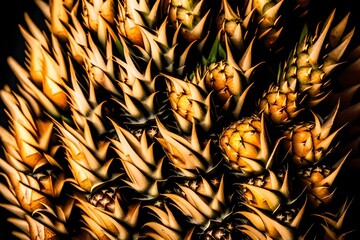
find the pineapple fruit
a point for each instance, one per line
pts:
(163, 119)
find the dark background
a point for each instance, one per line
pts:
(12, 44)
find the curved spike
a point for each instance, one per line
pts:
(245, 61)
(264, 198)
(167, 218)
(195, 33)
(316, 48)
(297, 219)
(254, 219)
(220, 194)
(337, 31)
(229, 55)
(338, 52)
(198, 202)
(163, 232)
(253, 233)
(338, 221)
(188, 209)
(272, 12)
(263, 141)
(23, 77)
(240, 102)
(285, 188)
(274, 181)
(331, 178)
(274, 228)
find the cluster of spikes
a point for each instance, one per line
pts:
(163, 119)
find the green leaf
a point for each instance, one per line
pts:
(205, 61)
(120, 48)
(222, 52)
(217, 53)
(214, 51)
(304, 32)
(279, 72)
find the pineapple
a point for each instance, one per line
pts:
(131, 18)
(312, 62)
(268, 18)
(270, 211)
(190, 104)
(280, 103)
(34, 179)
(233, 24)
(305, 78)
(333, 223)
(191, 16)
(309, 142)
(161, 119)
(245, 147)
(318, 180)
(228, 76)
(188, 154)
(204, 206)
